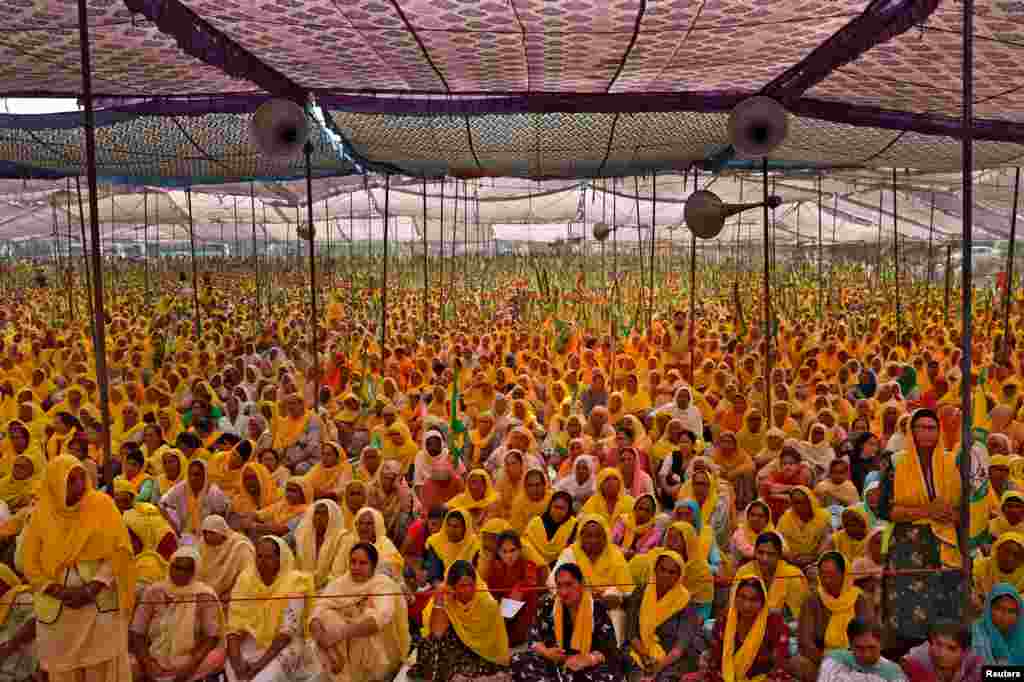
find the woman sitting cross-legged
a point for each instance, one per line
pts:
(177, 628)
(464, 636)
(361, 628)
(573, 639)
(663, 627)
(267, 618)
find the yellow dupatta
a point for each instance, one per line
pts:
(788, 587)
(15, 493)
(582, 626)
(449, 552)
(404, 454)
(316, 562)
(179, 639)
(537, 536)
(58, 537)
(986, 569)
(163, 481)
(632, 529)
(524, 508)
(283, 511)
(219, 566)
(288, 430)
(608, 571)
(243, 502)
(148, 525)
(909, 490)
(655, 611)
(598, 503)
(15, 587)
(466, 501)
(749, 535)
(258, 608)
(842, 609)
(736, 663)
(851, 548)
(478, 624)
(804, 537)
(326, 479)
(1000, 525)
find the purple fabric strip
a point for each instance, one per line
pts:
(202, 41)
(881, 21)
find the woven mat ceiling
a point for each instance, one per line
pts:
(528, 88)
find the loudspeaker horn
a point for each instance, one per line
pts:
(757, 125)
(279, 128)
(602, 230)
(705, 212)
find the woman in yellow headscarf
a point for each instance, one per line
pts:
(297, 433)
(638, 532)
(281, 517)
(827, 613)
(76, 551)
(752, 641)
(332, 471)
(551, 532)
(369, 528)
(635, 398)
(258, 490)
(609, 500)
(153, 541)
(532, 500)
(362, 631)
(483, 438)
(663, 627)
(463, 631)
(478, 498)
(757, 518)
(174, 466)
(1011, 515)
(1004, 565)
(604, 567)
(318, 540)
(268, 615)
(17, 627)
(456, 540)
(851, 539)
(18, 442)
(805, 527)
(20, 487)
(399, 445)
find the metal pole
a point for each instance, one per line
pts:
(384, 284)
(896, 256)
(195, 275)
(426, 271)
(966, 390)
(654, 232)
(100, 349)
(821, 282)
(931, 232)
(145, 240)
(314, 326)
(255, 258)
(767, 296)
(949, 265)
(1009, 268)
(441, 262)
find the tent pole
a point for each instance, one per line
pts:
(197, 326)
(145, 242)
(1009, 269)
(931, 232)
(821, 281)
(313, 320)
(966, 273)
(654, 232)
(426, 271)
(99, 324)
(255, 257)
(896, 257)
(384, 281)
(767, 297)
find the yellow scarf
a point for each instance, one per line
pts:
(288, 430)
(787, 588)
(804, 537)
(58, 537)
(475, 621)
(243, 502)
(449, 552)
(851, 548)
(283, 511)
(842, 609)
(220, 566)
(259, 608)
(164, 483)
(466, 501)
(179, 639)
(14, 588)
(524, 508)
(909, 490)
(319, 563)
(15, 493)
(598, 503)
(736, 663)
(986, 569)
(582, 626)
(610, 570)
(324, 479)
(655, 611)
(1000, 525)
(537, 536)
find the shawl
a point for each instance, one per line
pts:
(405, 453)
(607, 571)
(524, 508)
(258, 608)
(389, 557)
(449, 552)
(220, 566)
(244, 503)
(466, 501)
(804, 537)
(150, 527)
(909, 490)
(986, 569)
(17, 493)
(326, 479)
(736, 662)
(390, 503)
(475, 622)
(163, 481)
(282, 512)
(179, 638)
(348, 514)
(577, 490)
(850, 548)
(318, 562)
(654, 611)
(598, 504)
(988, 641)
(191, 507)
(548, 537)
(748, 535)
(842, 609)
(633, 530)
(582, 627)
(347, 595)
(58, 536)
(780, 594)
(288, 430)
(1000, 525)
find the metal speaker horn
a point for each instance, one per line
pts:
(757, 125)
(279, 128)
(705, 212)
(601, 231)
